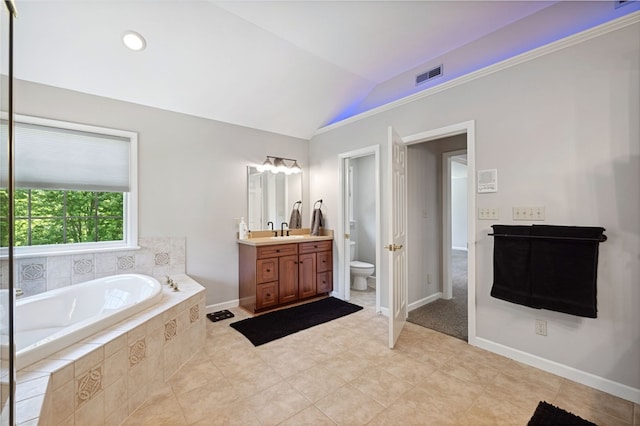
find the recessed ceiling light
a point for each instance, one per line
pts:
(134, 41)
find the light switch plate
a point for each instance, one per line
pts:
(488, 213)
(528, 213)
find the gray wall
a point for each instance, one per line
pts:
(562, 130)
(191, 174)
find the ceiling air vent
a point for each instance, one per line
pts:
(618, 3)
(426, 76)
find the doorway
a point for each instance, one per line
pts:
(425, 221)
(359, 226)
(445, 305)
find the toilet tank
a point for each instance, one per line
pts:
(352, 250)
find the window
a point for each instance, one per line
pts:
(75, 187)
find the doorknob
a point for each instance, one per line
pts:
(346, 236)
(393, 247)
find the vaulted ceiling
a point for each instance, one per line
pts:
(287, 67)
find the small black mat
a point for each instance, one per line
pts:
(274, 325)
(220, 315)
(549, 415)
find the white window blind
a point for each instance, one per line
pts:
(57, 158)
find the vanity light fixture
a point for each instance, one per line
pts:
(279, 165)
(134, 41)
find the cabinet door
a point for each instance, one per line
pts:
(307, 275)
(288, 282)
(266, 295)
(325, 282)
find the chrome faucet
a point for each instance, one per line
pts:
(282, 225)
(275, 233)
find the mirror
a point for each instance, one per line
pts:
(270, 197)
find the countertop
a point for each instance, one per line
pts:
(268, 239)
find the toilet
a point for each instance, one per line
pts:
(359, 270)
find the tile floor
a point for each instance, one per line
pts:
(343, 373)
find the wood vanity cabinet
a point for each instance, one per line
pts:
(275, 275)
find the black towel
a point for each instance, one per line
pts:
(564, 272)
(558, 273)
(511, 264)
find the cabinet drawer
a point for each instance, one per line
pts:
(325, 261)
(266, 270)
(314, 246)
(277, 250)
(324, 282)
(266, 295)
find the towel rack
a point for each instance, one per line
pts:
(600, 240)
(296, 203)
(316, 203)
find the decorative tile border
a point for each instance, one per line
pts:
(83, 266)
(170, 329)
(162, 258)
(33, 271)
(137, 352)
(89, 385)
(126, 263)
(194, 313)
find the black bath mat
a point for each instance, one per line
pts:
(220, 315)
(547, 414)
(274, 325)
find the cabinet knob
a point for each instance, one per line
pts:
(268, 294)
(277, 250)
(315, 246)
(324, 261)
(268, 270)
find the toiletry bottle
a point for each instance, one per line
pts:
(242, 229)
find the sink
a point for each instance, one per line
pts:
(288, 237)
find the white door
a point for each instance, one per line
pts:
(397, 214)
(346, 227)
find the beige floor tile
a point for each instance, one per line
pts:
(489, 411)
(408, 369)
(345, 367)
(195, 373)
(470, 370)
(451, 394)
(316, 382)
(165, 411)
(309, 416)
(238, 414)
(382, 386)
(203, 402)
(600, 402)
(277, 403)
(594, 405)
(523, 393)
(348, 365)
(348, 406)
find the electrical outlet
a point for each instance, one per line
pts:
(488, 213)
(541, 327)
(528, 213)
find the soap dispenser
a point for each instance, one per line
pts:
(242, 229)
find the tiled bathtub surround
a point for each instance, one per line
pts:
(156, 257)
(106, 377)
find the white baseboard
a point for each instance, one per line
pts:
(597, 382)
(224, 305)
(425, 301)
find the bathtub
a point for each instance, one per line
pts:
(51, 321)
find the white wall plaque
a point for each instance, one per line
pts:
(488, 180)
